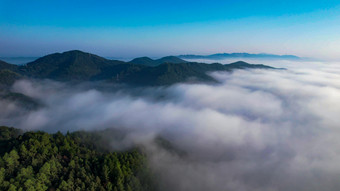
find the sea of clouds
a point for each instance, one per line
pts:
(265, 130)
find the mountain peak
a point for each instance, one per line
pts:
(80, 64)
(240, 63)
(144, 61)
(171, 59)
(150, 62)
(76, 65)
(77, 52)
(141, 59)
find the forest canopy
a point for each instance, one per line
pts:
(42, 161)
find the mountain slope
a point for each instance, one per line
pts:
(244, 65)
(145, 61)
(171, 59)
(7, 78)
(167, 74)
(7, 66)
(150, 62)
(81, 66)
(71, 65)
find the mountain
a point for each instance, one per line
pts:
(145, 61)
(220, 56)
(168, 73)
(81, 66)
(22, 100)
(171, 59)
(6, 66)
(150, 62)
(71, 65)
(245, 65)
(7, 78)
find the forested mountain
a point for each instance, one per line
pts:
(8, 77)
(80, 66)
(24, 101)
(146, 61)
(150, 62)
(7, 66)
(166, 74)
(171, 59)
(42, 161)
(71, 65)
(8, 74)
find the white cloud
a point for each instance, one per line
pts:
(256, 130)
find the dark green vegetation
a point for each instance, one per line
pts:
(166, 74)
(72, 65)
(42, 161)
(7, 66)
(21, 100)
(81, 66)
(8, 77)
(150, 62)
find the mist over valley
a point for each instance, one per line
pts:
(253, 128)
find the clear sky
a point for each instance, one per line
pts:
(131, 28)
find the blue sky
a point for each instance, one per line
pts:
(131, 28)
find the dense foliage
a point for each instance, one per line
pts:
(7, 66)
(7, 78)
(42, 161)
(150, 62)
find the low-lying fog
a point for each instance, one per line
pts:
(260, 130)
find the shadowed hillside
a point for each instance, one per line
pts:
(7, 66)
(80, 66)
(150, 62)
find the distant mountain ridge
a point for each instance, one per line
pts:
(76, 65)
(18, 60)
(220, 56)
(150, 62)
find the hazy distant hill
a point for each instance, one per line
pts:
(18, 60)
(220, 56)
(150, 62)
(81, 66)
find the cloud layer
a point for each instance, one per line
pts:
(256, 130)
